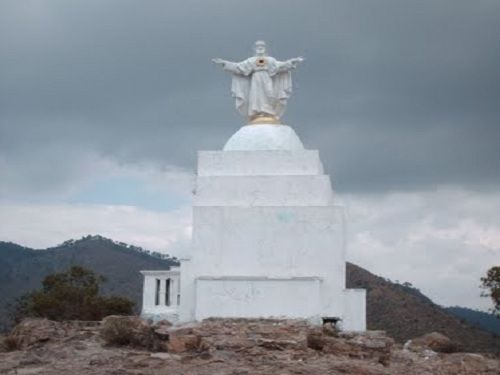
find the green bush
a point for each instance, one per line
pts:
(71, 295)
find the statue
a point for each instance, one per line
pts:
(261, 85)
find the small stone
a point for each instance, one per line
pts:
(315, 341)
(166, 356)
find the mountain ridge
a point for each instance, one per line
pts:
(480, 319)
(22, 269)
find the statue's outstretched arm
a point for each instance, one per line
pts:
(219, 61)
(233, 67)
(290, 64)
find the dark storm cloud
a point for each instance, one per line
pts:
(395, 94)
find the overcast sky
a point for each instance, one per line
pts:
(103, 105)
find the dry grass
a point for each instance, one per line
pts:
(117, 332)
(11, 343)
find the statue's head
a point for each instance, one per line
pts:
(260, 48)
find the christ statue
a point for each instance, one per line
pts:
(261, 85)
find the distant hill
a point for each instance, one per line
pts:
(480, 319)
(405, 313)
(22, 269)
(401, 310)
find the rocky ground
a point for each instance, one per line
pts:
(128, 345)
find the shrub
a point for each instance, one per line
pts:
(130, 330)
(71, 295)
(117, 332)
(115, 305)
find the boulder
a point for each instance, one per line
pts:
(434, 341)
(183, 339)
(36, 331)
(370, 344)
(183, 343)
(316, 341)
(161, 329)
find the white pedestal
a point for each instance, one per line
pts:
(268, 240)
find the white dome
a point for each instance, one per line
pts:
(264, 137)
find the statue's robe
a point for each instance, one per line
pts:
(261, 88)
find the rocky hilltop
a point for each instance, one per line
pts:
(131, 346)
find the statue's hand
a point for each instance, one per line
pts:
(296, 60)
(219, 61)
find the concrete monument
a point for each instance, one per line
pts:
(268, 239)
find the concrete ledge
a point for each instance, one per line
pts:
(259, 163)
(261, 278)
(172, 271)
(263, 191)
(171, 316)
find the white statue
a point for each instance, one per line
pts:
(261, 84)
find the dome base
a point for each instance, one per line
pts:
(264, 137)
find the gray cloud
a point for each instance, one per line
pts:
(396, 95)
(443, 241)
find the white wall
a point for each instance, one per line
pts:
(354, 315)
(268, 241)
(256, 297)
